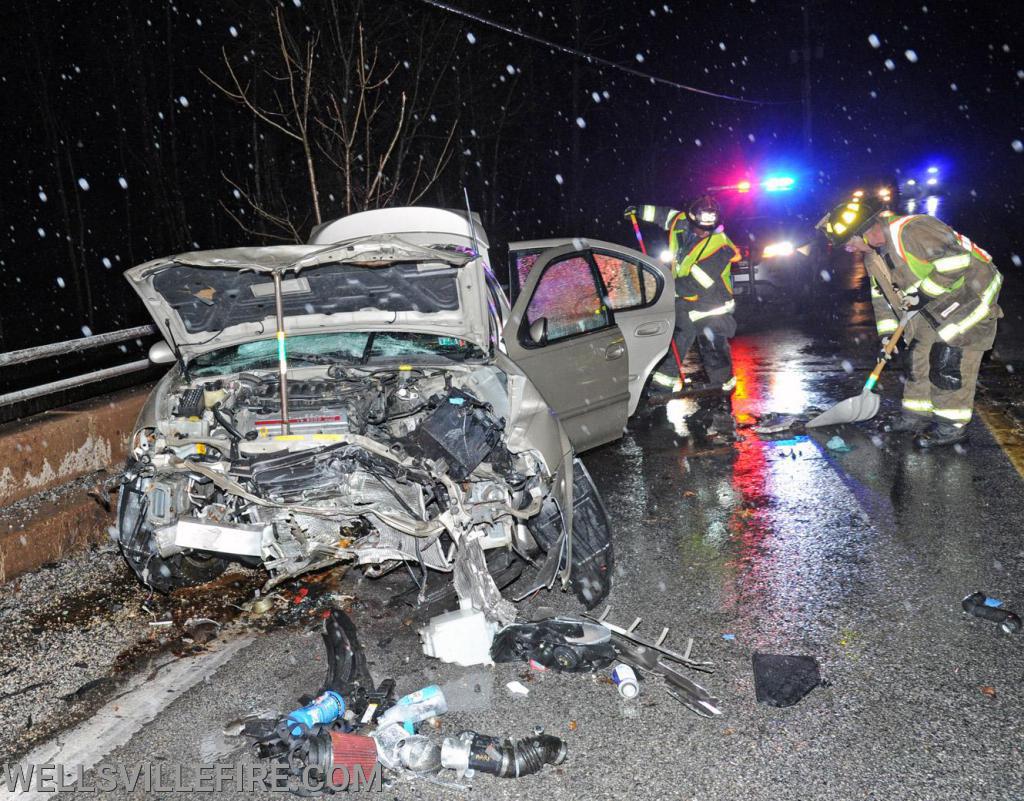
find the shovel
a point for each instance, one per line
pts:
(864, 406)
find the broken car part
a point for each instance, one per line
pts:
(477, 752)
(980, 605)
(560, 643)
(463, 637)
(336, 757)
(655, 658)
(783, 680)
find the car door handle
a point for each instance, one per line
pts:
(616, 351)
(649, 329)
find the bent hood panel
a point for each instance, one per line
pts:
(206, 300)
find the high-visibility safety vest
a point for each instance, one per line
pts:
(957, 281)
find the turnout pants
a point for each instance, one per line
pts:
(711, 335)
(942, 379)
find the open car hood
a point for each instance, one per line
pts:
(210, 299)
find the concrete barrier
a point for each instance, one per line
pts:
(46, 462)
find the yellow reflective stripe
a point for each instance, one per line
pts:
(931, 288)
(886, 326)
(725, 308)
(921, 406)
(949, 264)
(988, 297)
(647, 213)
(956, 415)
(729, 385)
(664, 380)
(702, 277)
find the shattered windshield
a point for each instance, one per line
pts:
(348, 348)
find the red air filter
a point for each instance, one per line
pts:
(348, 751)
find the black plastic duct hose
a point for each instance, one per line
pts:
(504, 758)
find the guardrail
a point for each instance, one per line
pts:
(73, 346)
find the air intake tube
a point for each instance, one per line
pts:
(504, 758)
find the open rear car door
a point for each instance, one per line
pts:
(638, 292)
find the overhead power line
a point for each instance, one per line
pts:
(571, 51)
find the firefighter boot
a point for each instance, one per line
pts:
(940, 435)
(907, 423)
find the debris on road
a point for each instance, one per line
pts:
(838, 444)
(560, 643)
(783, 680)
(980, 605)
(471, 752)
(624, 677)
(462, 637)
(988, 690)
(517, 688)
(775, 423)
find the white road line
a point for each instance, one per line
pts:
(118, 721)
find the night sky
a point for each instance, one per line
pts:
(116, 149)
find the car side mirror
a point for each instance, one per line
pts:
(539, 330)
(161, 353)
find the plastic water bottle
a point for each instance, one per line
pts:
(324, 709)
(625, 679)
(420, 705)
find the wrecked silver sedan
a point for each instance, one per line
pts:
(372, 398)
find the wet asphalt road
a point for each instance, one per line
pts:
(777, 545)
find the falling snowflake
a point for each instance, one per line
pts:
(697, 142)
(1017, 145)
(83, 184)
(911, 56)
(184, 101)
(60, 282)
(559, 179)
(874, 41)
(86, 331)
(595, 97)
(470, 38)
(122, 182)
(233, 31)
(890, 64)
(640, 57)
(106, 263)
(41, 232)
(510, 69)
(42, 196)
(721, 46)
(1015, 259)
(582, 123)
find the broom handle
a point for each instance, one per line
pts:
(890, 346)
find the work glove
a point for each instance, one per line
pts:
(881, 350)
(629, 212)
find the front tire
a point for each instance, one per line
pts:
(163, 574)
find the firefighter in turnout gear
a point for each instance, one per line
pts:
(702, 259)
(953, 286)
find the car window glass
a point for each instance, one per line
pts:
(621, 279)
(524, 263)
(568, 297)
(650, 286)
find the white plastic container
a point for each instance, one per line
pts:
(414, 707)
(625, 679)
(462, 637)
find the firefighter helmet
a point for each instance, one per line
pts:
(704, 213)
(849, 219)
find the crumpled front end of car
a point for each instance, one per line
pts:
(379, 467)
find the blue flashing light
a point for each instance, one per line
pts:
(778, 183)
